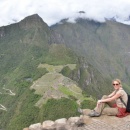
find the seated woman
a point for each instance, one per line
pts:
(116, 106)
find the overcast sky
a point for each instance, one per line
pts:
(53, 11)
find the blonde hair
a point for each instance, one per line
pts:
(117, 80)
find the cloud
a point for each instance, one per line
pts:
(53, 11)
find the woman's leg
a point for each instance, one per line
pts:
(98, 109)
(110, 111)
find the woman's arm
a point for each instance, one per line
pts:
(112, 94)
(117, 95)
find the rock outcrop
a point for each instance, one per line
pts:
(61, 124)
(84, 123)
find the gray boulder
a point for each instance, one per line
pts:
(35, 127)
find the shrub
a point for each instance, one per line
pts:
(62, 108)
(90, 104)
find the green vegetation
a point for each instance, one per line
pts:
(89, 56)
(126, 88)
(25, 112)
(66, 71)
(65, 90)
(88, 103)
(55, 109)
(72, 91)
(22, 49)
(60, 55)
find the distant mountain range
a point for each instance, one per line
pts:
(80, 58)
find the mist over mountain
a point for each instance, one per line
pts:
(53, 11)
(59, 65)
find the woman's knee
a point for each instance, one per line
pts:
(104, 96)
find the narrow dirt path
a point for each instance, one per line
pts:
(9, 92)
(2, 107)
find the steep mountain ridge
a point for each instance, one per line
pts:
(105, 45)
(17, 43)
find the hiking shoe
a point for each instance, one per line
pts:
(94, 114)
(80, 110)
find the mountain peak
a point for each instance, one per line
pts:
(33, 17)
(33, 20)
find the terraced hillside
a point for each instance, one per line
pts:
(54, 85)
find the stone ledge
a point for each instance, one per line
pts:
(84, 122)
